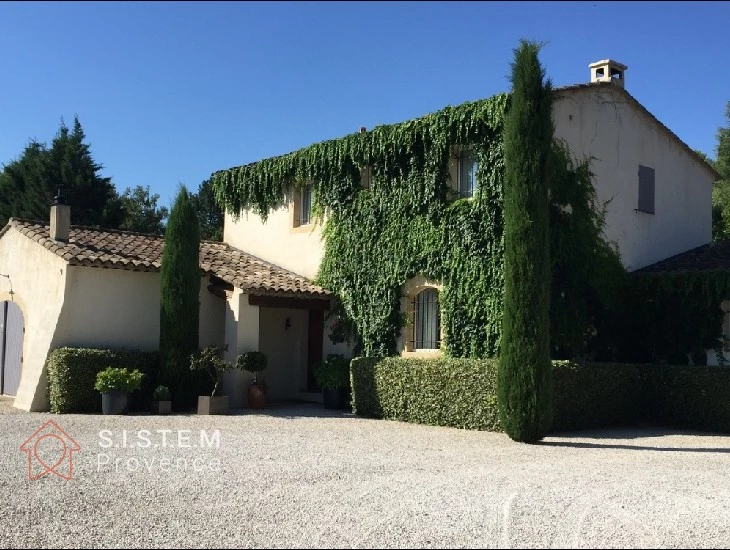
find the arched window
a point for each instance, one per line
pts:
(426, 320)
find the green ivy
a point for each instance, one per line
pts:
(409, 222)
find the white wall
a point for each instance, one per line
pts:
(297, 249)
(38, 279)
(115, 308)
(598, 121)
(241, 335)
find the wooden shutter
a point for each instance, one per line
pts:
(646, 189)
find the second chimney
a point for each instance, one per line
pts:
(608, 70)
(60, 219)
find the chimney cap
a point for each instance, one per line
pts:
(59, 198)
(611, 62)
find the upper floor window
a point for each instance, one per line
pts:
(468, 165)
(305, 205)
(646, 189)
(426, 321)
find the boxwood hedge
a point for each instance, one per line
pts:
(72, 374)
(462, 393)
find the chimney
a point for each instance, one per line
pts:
(608, 70)
(60, 218)
(363, 129)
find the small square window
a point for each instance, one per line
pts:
(646, 190)
(468, 166)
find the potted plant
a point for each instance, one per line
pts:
(333, 376)
(254, 362)
(115, 385)
(210, 360)
(161, 403)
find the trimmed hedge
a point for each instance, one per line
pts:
(462, 393)
(72, 375)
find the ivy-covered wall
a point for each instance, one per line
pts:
(410, 222)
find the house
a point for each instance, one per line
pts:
(657, 192)
(78, 286)
(87, 287)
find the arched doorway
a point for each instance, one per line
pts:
(11, 347)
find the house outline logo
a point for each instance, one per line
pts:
(63, 467)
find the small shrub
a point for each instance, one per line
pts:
(210, 360)
(117, 379)
(253, 362)
(161, 393)
(333, 373)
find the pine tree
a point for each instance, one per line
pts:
(29, 183)
(179, 299)
(524, 380)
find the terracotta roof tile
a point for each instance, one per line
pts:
(113, 249)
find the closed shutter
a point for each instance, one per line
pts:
(646, 189)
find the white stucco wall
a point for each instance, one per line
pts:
(297, 249)
(38, 280)
(115, 308)
(241, 335)
(599, 122)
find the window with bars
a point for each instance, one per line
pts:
(426, 320)
(468, 165)
(305, 205)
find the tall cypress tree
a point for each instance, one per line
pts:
(524, 381)
(179, 299)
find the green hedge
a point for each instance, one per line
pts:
(72, 374)
(462, 393)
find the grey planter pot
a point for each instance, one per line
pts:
(334, 399)
(114, 402)
(161, 407)
(212, 405)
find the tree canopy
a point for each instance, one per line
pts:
(721, 190)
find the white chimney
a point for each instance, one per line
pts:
(608, 70)
(60, 218)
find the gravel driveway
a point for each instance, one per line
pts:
(296, 476)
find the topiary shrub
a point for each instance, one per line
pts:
(114, 379)
(72, 376)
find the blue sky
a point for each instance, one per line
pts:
(170, 92)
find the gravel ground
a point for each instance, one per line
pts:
(298, 476)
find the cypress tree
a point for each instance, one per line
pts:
(179, 299)
(524, 380)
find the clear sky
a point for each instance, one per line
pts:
(169, 92)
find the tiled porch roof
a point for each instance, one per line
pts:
(111, 249)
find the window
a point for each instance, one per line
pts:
(646, 189)
(305, 205)
(426, 321)
(467, 174)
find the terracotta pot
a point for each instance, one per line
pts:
(257, 395)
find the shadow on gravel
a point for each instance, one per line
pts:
(294, 409)
(580, 445)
